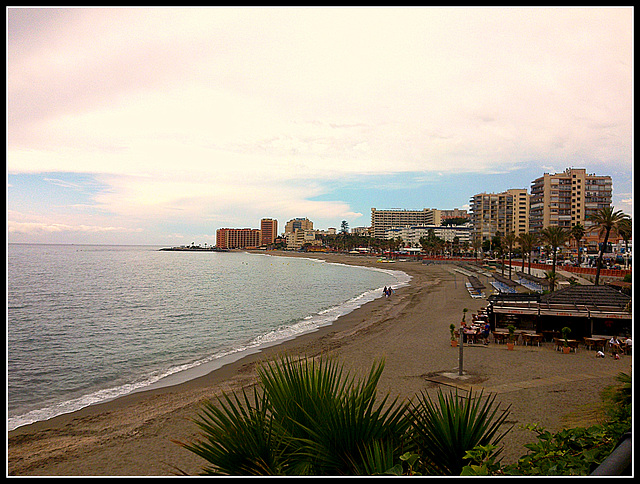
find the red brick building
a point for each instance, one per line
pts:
(237, 238)
(268, 230)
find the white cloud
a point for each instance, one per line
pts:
(39, 227)
(213, 112)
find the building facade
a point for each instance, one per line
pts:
(298, 238)
(298, 224)
(268, 231)
(237, 238)
(505, 212)
(456, 213)
(383, 220)
(567, 199)
(411, 235)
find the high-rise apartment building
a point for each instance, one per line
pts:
(268, 231)
(383, 220)
(505, 212)
(237, 238)
(298, 224)
(568, 198)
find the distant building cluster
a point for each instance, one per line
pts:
(298, 233)
(561, 199)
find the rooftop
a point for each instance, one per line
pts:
(587, 296)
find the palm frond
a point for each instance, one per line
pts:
(444, 432)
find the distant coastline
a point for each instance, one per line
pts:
(195, 248)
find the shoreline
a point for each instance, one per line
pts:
(134, 434)
(256, 345)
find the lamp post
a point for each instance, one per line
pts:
(460, 355)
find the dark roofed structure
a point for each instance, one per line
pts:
(591, 296)
(586, 309)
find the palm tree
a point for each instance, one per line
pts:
(310, 417)
(477, 244)
(527, 241)
(555, 237)
(509, 240)
(605, 219)
(577, 232)
(625, 230)
(552, 277)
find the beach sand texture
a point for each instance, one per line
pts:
(135, 434)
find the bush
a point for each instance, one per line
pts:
(575, 451)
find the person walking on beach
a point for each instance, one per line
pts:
(384, 291)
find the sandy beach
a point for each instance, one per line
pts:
(135, 434)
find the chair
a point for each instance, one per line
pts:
(557, 344)
(499, 336)
(600, 344)
(574, 345)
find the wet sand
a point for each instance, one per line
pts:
(136, 434)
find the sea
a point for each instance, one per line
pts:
(90, 323)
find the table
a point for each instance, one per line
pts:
(571, 343)
(472, 336)
(500, 336)
(532, 338)
(595, 343)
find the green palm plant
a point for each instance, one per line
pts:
(240, 437)
(306, 417)
(605, 220)
(444, 433)
(527, 241)
(509, 240)
(555, 237)
(310, 417)
(552, 277)
(333, 417)
(577, 232)
(625, 230)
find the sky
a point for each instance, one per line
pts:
(160, 125)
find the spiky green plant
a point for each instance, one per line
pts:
(443, 433)
(305, 417)
(310, 417)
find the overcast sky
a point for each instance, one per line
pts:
(160, 125)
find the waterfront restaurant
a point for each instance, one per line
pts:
(587, 310)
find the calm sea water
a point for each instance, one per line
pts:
(90, 323)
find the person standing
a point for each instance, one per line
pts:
(485, 332)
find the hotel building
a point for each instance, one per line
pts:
(449, 233)
(383, 220)
(268, 231)
(237, 238)
(567, 199)
(298, 224)
(505, 212)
